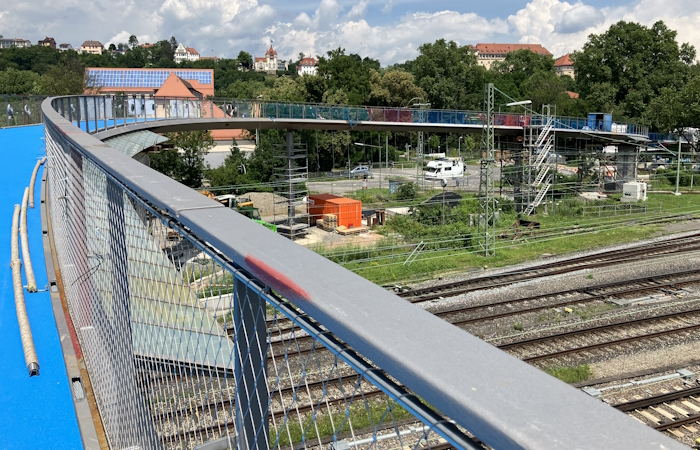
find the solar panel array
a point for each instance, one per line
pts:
(146, 78)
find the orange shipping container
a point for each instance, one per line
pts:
(318, 208)
(348, 211)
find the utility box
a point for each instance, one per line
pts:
(634, 191)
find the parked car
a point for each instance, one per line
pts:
(360, 170)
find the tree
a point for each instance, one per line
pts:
(173, 43)
(301, 56)
(133, 41)
(450, 75)
(185, 162)
(245, 59)
(677, 110)
(233, 172)
(112, 47)
(66, 78)
(346, 72)
(287, 89)
(632, 63)
(13, 81)
(394, 88)
(316, 87)
(521, 65)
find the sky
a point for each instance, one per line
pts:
(388, 30)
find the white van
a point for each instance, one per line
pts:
(444, 168)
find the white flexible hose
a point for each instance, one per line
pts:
(28, 269)
(32, 181)
(25, 330)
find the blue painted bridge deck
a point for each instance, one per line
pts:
(35, 412)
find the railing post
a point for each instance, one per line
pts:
(70, 112)
(7, 105)
(252, 393)
(95, 99)
(87, 115)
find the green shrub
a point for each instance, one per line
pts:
(406, 191)
(571, 374)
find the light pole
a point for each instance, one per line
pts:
(459, 147)
(678, 165)
(360, 144)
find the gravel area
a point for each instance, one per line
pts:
(269, 203)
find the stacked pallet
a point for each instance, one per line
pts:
(330, 222)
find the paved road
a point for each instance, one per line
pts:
(341, 186)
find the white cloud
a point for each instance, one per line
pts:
(224, 27)
(358, 11)
(388, 7)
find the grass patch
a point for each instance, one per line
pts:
(571, 374)
(360, 414)
(518, 326)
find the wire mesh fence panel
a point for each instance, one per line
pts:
(183, 348)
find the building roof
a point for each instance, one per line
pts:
(146, 81)
(146, 45)
(209, 57)
(572, 94)
(504, 49)
(271, 51)
(134, 143)
(191, 51)
(307, 62)
(260, 59)
(564, 61)
(48, 39)
(92, 44)
(175, 86)
(65, 46)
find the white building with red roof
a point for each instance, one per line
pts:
(307, 66)
(487, 54)
(564, 66)
(183, 53)
(270, 63)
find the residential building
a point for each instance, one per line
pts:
(183, 53)
(213, 58)
(65, 47)
(48, 42)
(146, 81)
(564, 66)
(270, 63)
(117, 52)
(14, 42)
(92, 47)
(307, 66)
(487, 54)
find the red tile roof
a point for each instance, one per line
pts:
(572, 94)
(503, 49)
(564, 61)
(307, 62)
(175, 86)
(271, 51)
(191, 51)
(260, 59)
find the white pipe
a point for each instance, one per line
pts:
(28, 270)
(32, 181)
(25, 330)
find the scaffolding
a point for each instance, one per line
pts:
(487, 200)
(540, 137)
(290, 198)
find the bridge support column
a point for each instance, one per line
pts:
(252, 395)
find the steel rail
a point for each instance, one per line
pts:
(560, 267)
(656, 400)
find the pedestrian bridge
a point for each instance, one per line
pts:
(201, 329)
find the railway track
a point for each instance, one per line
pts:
(667, 284)
(676, 412)
(673, 246)
(604, 336)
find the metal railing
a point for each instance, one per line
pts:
(203, 329)
(97, 113)
(21, 110)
